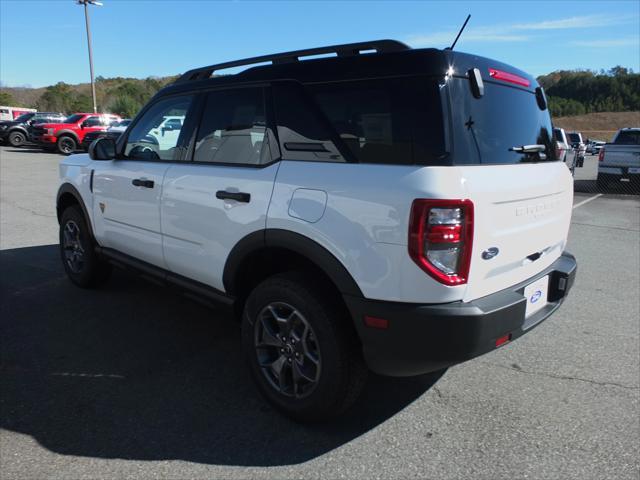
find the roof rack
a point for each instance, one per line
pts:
(345, 50)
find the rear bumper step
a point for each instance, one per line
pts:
(424, 338)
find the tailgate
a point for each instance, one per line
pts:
(621, 156)
(524, 211)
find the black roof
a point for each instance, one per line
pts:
(351, 61)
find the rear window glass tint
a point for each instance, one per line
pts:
(388, 121)
(304, 134)
(628, 138)
(487, 129)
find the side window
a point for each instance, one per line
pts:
(150, 138)
(93, 122)
(389, 121)
(303, 133)
(233, 128)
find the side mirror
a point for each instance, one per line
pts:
(102, 149)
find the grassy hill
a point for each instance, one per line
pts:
(600, 125)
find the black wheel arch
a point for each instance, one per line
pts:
(18, 128)
(68, 133)
(67, 196)
(278, 244)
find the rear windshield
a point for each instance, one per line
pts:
(629, 137)
(574, 137)
(490, 129)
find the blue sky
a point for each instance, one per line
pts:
(43, 42)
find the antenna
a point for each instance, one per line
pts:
(459, 33)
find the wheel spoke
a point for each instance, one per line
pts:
(300, 374)
(268, 338)
(278, 365)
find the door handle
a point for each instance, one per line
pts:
(237, 196)
(141, 182)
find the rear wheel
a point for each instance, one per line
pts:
(81, 263)
(17, 138)
(301, 348)
(66, 145)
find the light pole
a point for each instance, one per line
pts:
(86, 4)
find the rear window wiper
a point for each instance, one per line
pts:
(533, 152)
(529, 149)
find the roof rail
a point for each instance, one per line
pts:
(345, 50)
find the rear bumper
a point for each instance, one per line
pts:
(425, 338)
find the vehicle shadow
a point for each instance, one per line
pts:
(135, 371)
(27, 149)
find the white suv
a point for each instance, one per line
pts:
(388, 209)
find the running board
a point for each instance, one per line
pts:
(193, 289)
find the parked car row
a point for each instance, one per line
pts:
(17, 132)
(57, 131)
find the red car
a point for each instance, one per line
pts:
(68, 135)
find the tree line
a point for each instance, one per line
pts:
(569, 92)
(577, 92)
(123, 96)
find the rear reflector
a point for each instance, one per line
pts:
(502, 340)
(375, 322)
(601, 155)
(509, 77)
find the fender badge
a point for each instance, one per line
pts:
(102, 208)
(489, 253)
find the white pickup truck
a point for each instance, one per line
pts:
(619, 161)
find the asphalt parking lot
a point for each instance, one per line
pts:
(132, 381)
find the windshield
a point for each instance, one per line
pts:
(25, 117)
(73, 118)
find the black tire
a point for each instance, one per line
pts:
(17, 138)
(341, 372)
(66, 145)
(90, 271)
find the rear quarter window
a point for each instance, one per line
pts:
(384, 121)
(388, 121)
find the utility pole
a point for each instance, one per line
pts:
(86, 4)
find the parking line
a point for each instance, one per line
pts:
(587, 200)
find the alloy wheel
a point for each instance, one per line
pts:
(287, 350)
(72, 247)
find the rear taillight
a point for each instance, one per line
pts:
(441, 238)
(601, 155)
(558, 151)
(509, 77)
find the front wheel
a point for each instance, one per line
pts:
(301, 348)
(67, 145)
(17, 139)
(79, 259)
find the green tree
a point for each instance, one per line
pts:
(125, 106)
(6, 98)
